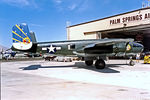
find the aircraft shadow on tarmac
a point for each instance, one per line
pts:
(77, 65)
(35, 67)
(107, 69)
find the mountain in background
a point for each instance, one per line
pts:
(3, 48)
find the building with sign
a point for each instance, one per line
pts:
(134, 24)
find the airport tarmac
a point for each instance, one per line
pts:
(49, 80)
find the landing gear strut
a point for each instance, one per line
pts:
(100, 64)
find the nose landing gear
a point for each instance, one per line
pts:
(131, 63)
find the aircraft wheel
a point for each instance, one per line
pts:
(100, 64)
(89, 62)
(131, 63)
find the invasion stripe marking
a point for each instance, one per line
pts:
(17, 34)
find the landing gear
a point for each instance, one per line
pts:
(89, 62)
(131, 63)
(100, 64)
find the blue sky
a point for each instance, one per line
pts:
(47, 18)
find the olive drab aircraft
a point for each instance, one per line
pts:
(91, 50)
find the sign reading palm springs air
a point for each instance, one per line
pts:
(137, 17)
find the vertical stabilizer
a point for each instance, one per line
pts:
(33, 37)
(21, 37)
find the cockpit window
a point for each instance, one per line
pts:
(136, 45)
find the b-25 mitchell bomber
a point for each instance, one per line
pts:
(90, 50)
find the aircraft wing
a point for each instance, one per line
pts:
(107, 43)
(100, 48)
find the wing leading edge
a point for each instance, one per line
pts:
(108, 42)
(104, 48)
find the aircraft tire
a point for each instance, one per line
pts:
(131, 63)
(100, 64)
(89, 62)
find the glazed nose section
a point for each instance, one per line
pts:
(138, 47)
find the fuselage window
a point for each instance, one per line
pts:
(71, 46)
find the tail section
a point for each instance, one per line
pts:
(33, 38)
(21, 37)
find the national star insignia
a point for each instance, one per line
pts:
(52, 49)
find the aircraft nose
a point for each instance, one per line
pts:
(139, 47)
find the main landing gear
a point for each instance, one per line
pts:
(89, 62)
(99, 64)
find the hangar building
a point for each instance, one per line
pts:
(134, 24)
